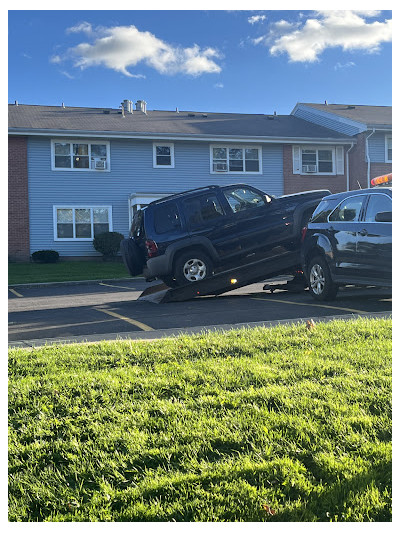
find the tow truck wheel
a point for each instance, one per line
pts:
(319, 279)
(191, 267)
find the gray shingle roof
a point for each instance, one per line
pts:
(366, 114)
(34, 117)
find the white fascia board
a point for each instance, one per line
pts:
(165, 136)
(360, 125)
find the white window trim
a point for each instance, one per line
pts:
(80, 141)
(73, 207)
(242, 147)
(172, 153)
(318, 147)
(387, 160)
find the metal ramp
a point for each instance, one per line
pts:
(226, 281)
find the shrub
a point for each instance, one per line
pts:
(108, 243)
(45, 256)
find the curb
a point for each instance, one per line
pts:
(174, 332)
(70, 283)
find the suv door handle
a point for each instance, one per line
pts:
(363, 233)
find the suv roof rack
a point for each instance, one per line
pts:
(176, 195)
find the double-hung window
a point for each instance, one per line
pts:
(388, 149)
(81, 223)
(79, 155)
(163, 155)
(235, 159)
(317, 161)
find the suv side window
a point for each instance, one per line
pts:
(376, 204)
(322, 211)
(202, 210)
(241, 198)
(166, 218)
(348, 211)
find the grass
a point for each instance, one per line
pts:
(274, 425)
(64, 271)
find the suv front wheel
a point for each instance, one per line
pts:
(319, 279)
(191, 267)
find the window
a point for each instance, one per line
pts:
(163, 155)
(80, 155)
(235, 159)
(81, 223)
(388, 149)
(202, 210)
(377, 203)
(348, 210)
(317, 161)
(241, 199)
(166, 218)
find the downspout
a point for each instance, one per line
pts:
(347, 166)
(368, 158)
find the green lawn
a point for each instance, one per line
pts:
(274, 425)
(64, 271)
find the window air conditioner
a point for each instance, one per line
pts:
(100, 164)
(309, 168)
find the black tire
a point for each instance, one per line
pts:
(319, 279)
(191, 267)
(132, 257)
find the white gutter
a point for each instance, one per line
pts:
(347, 166)
(368, 158)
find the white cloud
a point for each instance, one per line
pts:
(83, 27)
(349, 30)
(344, 65)
(219, 85)
(256, 18)
(67, 75)
(122, 47)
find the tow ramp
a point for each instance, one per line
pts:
(228, 280)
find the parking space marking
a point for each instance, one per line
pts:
(118, 286)
(136, 323)
(59, 326)
(312, 305)
(16, 293)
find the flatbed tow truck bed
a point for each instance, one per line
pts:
(225, 281)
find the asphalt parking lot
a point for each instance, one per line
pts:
(110, 310)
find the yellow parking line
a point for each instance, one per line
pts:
(117, 286)
(16, 293)
(59, 326)
(136, 323)
(311, 305)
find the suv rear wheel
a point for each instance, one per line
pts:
(192, 266)
(319, 279)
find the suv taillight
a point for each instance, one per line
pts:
(151, 247)
(303, 233)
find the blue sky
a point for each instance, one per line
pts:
(228, 61)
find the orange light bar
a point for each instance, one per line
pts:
(381, 179)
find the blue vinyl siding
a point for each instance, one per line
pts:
(337, 124)
(377, 146)
(131, 164)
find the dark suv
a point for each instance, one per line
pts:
(188, 236)
(348, 241)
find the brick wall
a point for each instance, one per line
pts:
(358, 166)
(297, 183)
(18, 206)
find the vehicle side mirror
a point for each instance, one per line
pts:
(267, 199)
(383, 216)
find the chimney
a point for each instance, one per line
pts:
(326, 102)
(141, 106)
(177, 110)
(16, 102)
(127, 106)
